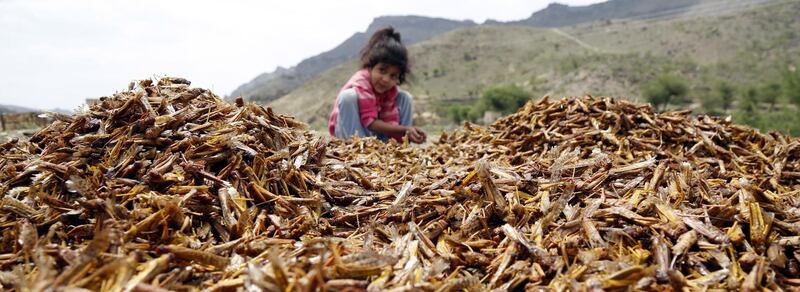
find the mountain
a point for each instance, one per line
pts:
(5, 108)
(413, 29)
(614, 58)
(558, 15)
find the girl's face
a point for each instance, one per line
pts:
(384, 76)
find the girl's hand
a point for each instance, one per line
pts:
(415, 135)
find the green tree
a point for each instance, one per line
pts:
(504, 98)
(710, 102)
(749, 100)
(725, 92)
(720, 100)
(475, 113)
(457, 113)
(770, 93)
(666, 89)
(782, 119)
(791, 85)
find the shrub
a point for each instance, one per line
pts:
(748, 102)
(770, 93)
(457, 113)
(725, 92)
(504, 98)
(665, 90)
(783, 119)
(791, 85)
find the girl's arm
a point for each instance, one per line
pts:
(386, 128)
(414, 134)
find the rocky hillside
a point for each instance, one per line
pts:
(414, 29)
(603, 58)
(558, 15)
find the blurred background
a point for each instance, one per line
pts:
(473, 60)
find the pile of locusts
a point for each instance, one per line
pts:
(167, 187)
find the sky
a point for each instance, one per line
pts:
(56, 53)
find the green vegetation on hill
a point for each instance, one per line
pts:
(721, 100)
(666, 90)
(767, 105)
(771, 106)
(503, 99)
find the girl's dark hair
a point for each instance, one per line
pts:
(385, 47)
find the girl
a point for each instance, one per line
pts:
(370, 104)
